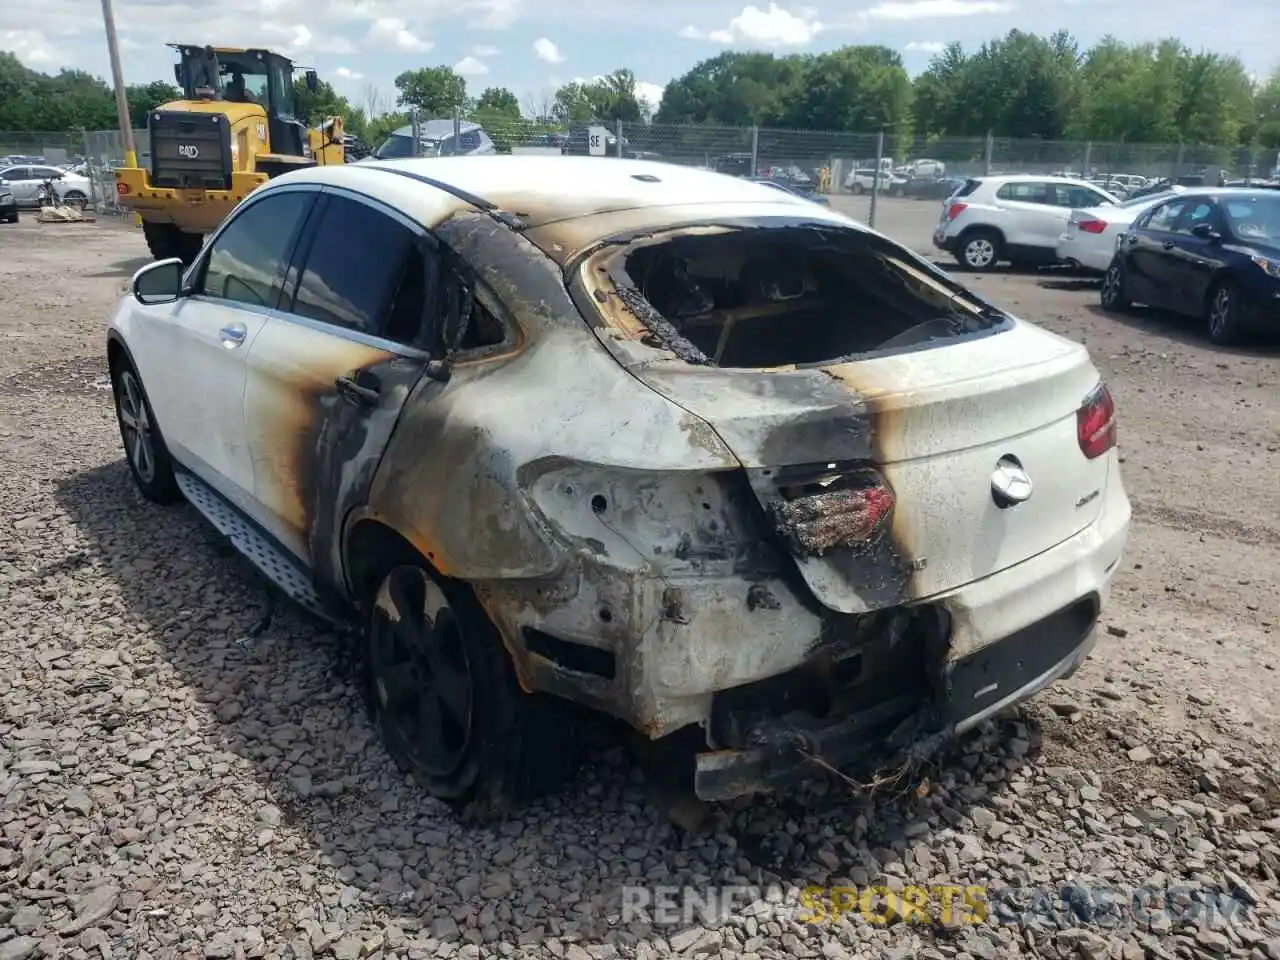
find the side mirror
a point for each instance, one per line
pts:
(1205, 232)
(313, 82)
(159, 282)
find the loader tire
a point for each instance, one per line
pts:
(166, 241)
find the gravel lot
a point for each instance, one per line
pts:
(186, 770)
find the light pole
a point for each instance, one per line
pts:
(117, 78)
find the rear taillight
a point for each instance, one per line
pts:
(1093, 226)
(1096, 423)
(954, 210)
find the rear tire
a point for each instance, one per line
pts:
(12, 218)
(166, 241)
(1222, 314)
(1115, 288)
(477, 742)
(979, 250)
(857, 189)
(75, 198)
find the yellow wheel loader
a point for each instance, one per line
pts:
(236, 127)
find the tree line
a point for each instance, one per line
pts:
(1018, 86)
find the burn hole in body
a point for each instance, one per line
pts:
(799, 295)
(879, 667)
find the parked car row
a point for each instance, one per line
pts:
(1208, 252)
(27, 184)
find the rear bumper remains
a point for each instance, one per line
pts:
(1010, 635)
(1011, 671)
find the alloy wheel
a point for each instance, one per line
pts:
(1111, 287)
(979, 252)
(136, 424)
(421, 675)
(1220, 311)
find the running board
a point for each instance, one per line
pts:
(255, 546)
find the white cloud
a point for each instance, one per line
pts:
(497, 14)
(547, 51)
(649, 94)
(480, 50)
(925, 46)
(756, 27)
(470, 67)
(394, 32)
(902, 10)
(32, 47)
(346, 73)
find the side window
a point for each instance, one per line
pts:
(44, 173)
(16, 173)
(1076, 198)
(483, 329)
(1198, 211)
(247, 260)
(364, 273)
(1163, 217)
(1026, 192)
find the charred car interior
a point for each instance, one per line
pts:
(797, 295)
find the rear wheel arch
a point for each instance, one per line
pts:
(507, 760)
(995, 232)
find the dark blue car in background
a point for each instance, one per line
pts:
(1213, 254)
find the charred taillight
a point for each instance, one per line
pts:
(1096, 422)
(954, 210)
(837, 510)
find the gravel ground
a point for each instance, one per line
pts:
(186, 770)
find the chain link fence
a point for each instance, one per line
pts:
(830, 161)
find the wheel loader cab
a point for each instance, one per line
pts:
(237, 126)
(248, 76)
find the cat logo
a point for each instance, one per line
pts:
(189, 150)
(262, 132)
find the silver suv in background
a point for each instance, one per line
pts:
(1014, 219)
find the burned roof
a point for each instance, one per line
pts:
(543, 189)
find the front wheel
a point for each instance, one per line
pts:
(1222, 314)
(75, 198)
(144, 447)
(443, 694)
(857, 189)
(1115, 288)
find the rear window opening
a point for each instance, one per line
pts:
(777, 296)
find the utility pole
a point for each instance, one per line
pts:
(117, 78)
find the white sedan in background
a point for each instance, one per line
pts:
(1090, 237)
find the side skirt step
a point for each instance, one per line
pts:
(254, 545)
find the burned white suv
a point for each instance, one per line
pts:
(668, 444)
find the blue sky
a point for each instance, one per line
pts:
(532, 46)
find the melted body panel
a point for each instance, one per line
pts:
(599, 491)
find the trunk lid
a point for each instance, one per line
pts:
(935, 423)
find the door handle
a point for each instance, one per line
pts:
(233, 335)
(1168, 244)
(361, 394)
